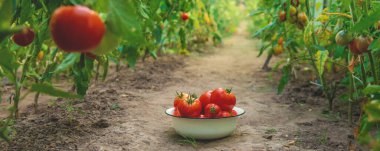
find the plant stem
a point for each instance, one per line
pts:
(363, 73)
(373, 67)
(350, 100)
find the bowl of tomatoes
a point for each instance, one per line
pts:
(211, 116)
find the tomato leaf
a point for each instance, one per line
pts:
(123, 21)
(27, 11)
(131, 53)
(68, 62)
(367, 22)
(375, 45)
(372, 110)
(286, 70)
(6, 10)
(321, 58)
(371, 89)
(50, 90)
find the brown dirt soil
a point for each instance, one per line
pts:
(126, 112)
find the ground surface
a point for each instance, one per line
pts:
(127, 111)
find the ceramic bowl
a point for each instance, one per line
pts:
(205, 128)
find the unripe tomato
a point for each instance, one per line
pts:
(40, 55)
(76, 28)
(184, 16)
(277, 50)
(343, 37)
(302, 17)
(323, 18)
(363, 43)
(282, 16)
(292, 11)
(24, 38)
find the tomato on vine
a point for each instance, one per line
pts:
(343, 37)
(24, 38)
(40, 55)
(278, 49)
(76, 28)
(280, 41)
(282, 16)
(184, 16)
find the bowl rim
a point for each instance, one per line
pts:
(206, 118)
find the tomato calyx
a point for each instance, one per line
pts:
(229, 90)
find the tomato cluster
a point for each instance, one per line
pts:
(211, 104)
(357, 45)
(296, 15)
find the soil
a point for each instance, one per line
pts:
(126, 112)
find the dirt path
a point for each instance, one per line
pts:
(235, 65)
(127, 111)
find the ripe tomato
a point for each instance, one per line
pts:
(363, 43)
(224, 114)
(212, 110)
(343, 37)
(40, 56)
(180, 97)
(24, 38)
(176, 113)
(224, 99)
(76, 28)
(184, 16)
(282, 16)
(378, 25)
(190, 108)
(202, 116)
(353, 47)
(280, 41)
(205, 98)
(233, 113)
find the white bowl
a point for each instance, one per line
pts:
(206, 128)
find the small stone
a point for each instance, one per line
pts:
(268, 137)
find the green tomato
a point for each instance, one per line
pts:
(109, 42)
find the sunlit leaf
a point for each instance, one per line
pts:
(320, 61)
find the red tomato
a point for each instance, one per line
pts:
(202, 116)
(282, 16)
(233, 113)
(205, 98)
(184, 16)
(180, 98)
(24, 38)
(190, 108)
(363, 43)
(224, 114)
(353, 46)
(76, 28)
(280, 41)
(224, 99)
(212, 110)
(176, 113)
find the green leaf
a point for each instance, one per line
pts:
(50, 90)
(7, 61)
(371, 89)
(320, 60)
(123, 20)
(367, 22)
(82, 74)
(6, 11)
(375, 45)
(68, 62)
(286, 70)
(132, 54)
(373, 111)
(26, 11)
(182, 36)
